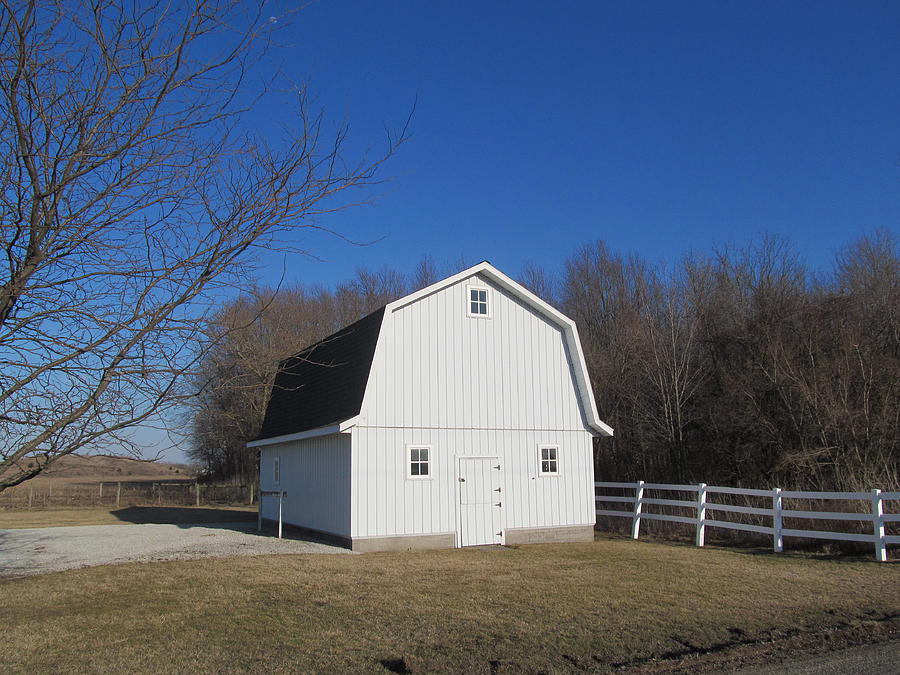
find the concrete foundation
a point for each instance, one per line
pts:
(549, 535)
(405, 543)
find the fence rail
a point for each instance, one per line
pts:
(700, 506)
(183, 492)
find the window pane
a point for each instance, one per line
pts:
(473, 295)
(482, 309)
(414, 454)
(414, 469)
(552, 452)
(482, 296)
(553, 466)
(424, 469)
(423, 454)
(545, 467)
(475, 308)
(545, 453)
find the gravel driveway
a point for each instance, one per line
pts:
(51, 549)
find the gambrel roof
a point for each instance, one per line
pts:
(324, 384)
(320, 390)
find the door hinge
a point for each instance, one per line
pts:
(499, 504)
(496, 489)
(497, 467)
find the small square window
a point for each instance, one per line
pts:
(478, 302)
(549, 460)
(419, 462)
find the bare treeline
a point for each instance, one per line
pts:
(251, 335)
(742, 367)
(745, 367)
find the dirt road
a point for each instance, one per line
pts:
(878, 658)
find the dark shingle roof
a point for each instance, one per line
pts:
(325, 382)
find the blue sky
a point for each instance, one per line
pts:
(659, 127)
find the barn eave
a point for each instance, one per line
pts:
(342, 427)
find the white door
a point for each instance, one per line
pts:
(480, 501)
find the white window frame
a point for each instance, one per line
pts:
(409, 461)
(276, 470)
(540, 460)
(487, 301)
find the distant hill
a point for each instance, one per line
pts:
(102, 467)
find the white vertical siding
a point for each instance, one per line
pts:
(437, 367)
(316, 474)
(469, 386)
(387, 503)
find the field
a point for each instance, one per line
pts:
(91, 468)
(506, 609)
(81, 481)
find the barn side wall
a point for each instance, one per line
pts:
(386, 503)
(316, 475)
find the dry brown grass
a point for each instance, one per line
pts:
(10, 520)
(532, 608)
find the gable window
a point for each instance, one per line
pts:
(277, 470)
(478, 302)
(549, 460)
(418, 461)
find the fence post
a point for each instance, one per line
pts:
(636, 519)
(701, 515)
(777, 539)
(280, 500)
(118, 494)
(197, 490)
(251, 493)
(101, 491)
(878, 524)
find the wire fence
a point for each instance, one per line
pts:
(116, 494)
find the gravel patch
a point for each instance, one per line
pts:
(52, 549)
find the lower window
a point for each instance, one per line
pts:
(419, 461)
(549, 460)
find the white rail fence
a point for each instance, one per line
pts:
(702, 518)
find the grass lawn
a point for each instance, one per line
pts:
(126, 515)
(532, 608)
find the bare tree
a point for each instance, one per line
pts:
(671, 364)
(251, 335)
(535, 279)
(424, 275)
(131, 197)
(742, 368)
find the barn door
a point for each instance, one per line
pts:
(480, 501)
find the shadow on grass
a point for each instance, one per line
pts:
(839, 552)
(182, 515)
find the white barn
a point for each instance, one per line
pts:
(459, 415)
